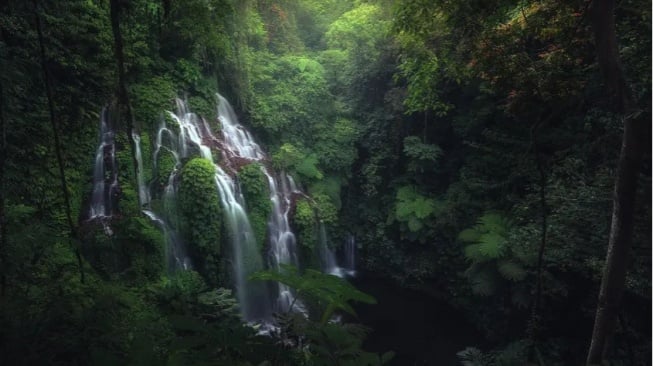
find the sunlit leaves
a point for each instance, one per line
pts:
(357, 29)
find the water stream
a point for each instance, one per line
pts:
(105, 172)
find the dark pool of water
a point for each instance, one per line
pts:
(420, 329)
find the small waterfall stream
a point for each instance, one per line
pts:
(143, 192)
(349, 255)
(105, 172)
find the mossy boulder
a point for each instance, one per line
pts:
(256, 190)
(201, 216)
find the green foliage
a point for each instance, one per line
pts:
(358, 30)
(491, 255)
(514, 354)
(331, 292)
(423, 157)
(327, 211)
(294, 159)
(304, 224)
(291, 94)
(201, 216)
(413, 208)
(471, 356)
(421, 69)
(336, 146)
(255, 189)
(329, 187)
(341, 344)
(150, 98)
(329, 343)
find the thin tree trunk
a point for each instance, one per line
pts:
(57, 144)
(124, 105)
(3, 218)
(537, 304)
(634, 137)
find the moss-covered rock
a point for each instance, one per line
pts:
(128, 200)
(201, 216)
(133, 249)
(304, 223)
(255, 189)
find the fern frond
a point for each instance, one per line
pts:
(474, 253)
(511, 271)
(494, 223)
(471, 356)
(492, 245)
(469, 235)
(483, 282)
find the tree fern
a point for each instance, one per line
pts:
(413, 208)
(472, 356)
(492, 260)
(492, 245)
(511, 270)
(488, 238)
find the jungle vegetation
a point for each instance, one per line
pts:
(492, 155)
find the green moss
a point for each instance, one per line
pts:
(304, 223)
(203, 107)
(134, 252)
(150, 98)
(143, 244)
(255, 189)
(327, 210)
(128, 203)
(201, 216)
(165, 164)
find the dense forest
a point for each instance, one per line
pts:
(325, 182)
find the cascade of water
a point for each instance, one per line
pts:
(349, 251)
(175, 249)
(326, 255)
(105, 163)
(240, 143)
(237, 139)
(143, 192)
(281, 238)
(246, 257)
(174, 252)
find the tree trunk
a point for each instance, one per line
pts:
(57, 144)
(124, 105)
(634, 137)
(537, 303)
(3, 218)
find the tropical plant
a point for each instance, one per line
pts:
(492, 257)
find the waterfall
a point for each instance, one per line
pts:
(143, 193)
(282, 244)
(349, 255)
(189, 135)
(246, 259)
(167, 220)
(326, 255)
(105, 174)
(282, 239)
